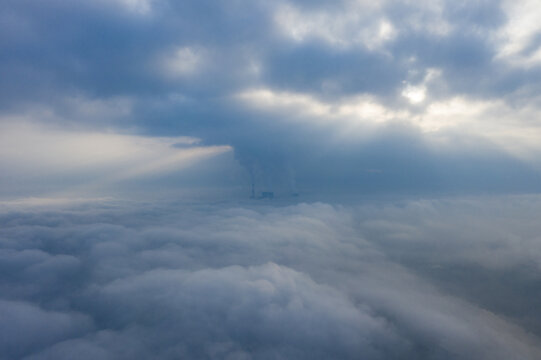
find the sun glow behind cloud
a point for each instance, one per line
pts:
(96, 159)
(358, 108)
(352, 117)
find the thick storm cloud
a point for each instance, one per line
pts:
(381, 281)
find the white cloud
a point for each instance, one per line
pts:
(349, 111)
(141, 7)
(414, 94)
(360, 23)
(522, 27)
(355, 117)
(29, 150)
(357, 24)
(417, 94)
(304, 281)
(513, 129)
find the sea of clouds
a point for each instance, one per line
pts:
(410, 279)
(331, 100)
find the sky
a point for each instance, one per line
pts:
(400, 140)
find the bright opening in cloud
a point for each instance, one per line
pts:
(414, 94)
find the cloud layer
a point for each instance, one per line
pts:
(381, 281)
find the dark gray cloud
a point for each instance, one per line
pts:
(178, 69)
(104, 49)
(26, 327)
(255, 281)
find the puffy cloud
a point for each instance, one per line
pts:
(351, 24)
(518, 38)
(25, 328)
(273, 310)
(257, 281)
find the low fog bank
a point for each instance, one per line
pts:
(409, 279)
